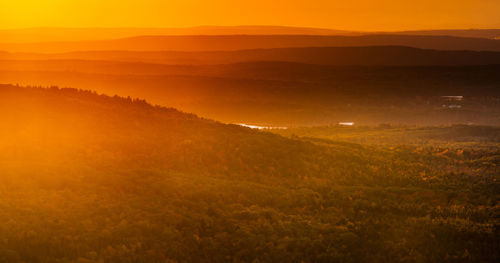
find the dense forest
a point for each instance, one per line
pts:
(86, 177)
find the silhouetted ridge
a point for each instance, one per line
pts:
(50, 34)
(359, 56)
(238, 42)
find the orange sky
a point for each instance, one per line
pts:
(369, 15)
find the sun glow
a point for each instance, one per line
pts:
(351, 15)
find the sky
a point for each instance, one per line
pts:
(361, 15)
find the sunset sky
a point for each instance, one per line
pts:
(367, 15)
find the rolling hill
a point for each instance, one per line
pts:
(92, 178)
(338, 56)
(32, 116)
(48, 34)
(479, 33)
(238, 42)
(284, 93)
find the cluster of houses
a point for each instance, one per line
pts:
(451, 102)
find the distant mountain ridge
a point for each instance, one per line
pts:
(284, 94)
(338, 56)
(238, 42)
(51, 34)
(479, 33)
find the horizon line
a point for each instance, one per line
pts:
(248, 25)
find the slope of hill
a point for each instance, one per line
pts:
(24, 109)
(339, 56)
(237, 42)
(91, 178)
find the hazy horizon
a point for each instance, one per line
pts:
(249, 131)
(384, 15)
(437, 28)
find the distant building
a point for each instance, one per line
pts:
(346, 123)
(452, 106)
(453, 98)
(450, 99)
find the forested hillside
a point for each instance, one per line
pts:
(91, 178)
(395, 135)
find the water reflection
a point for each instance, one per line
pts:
(261, 127)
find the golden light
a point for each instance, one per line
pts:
(351, 15)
